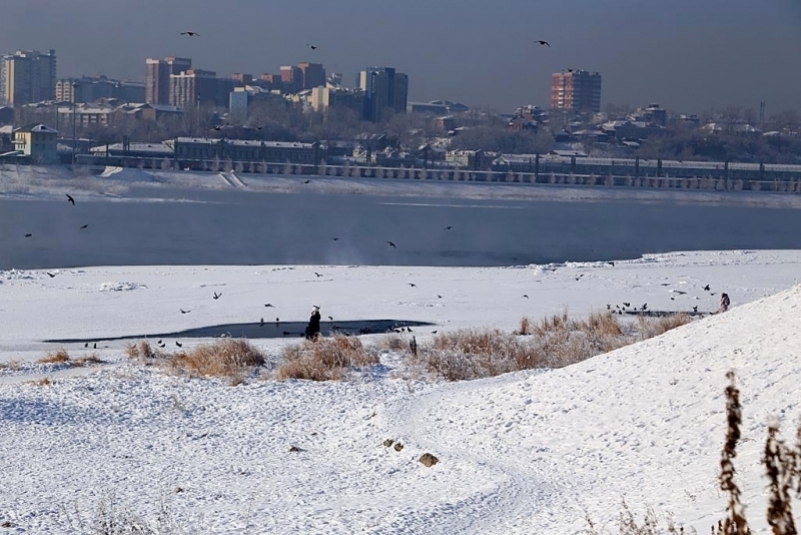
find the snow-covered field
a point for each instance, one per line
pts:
(528, 452)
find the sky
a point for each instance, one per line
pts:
(688, 55)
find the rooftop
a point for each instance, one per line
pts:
(39, 128)
(243, 142)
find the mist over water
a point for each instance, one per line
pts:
(235, 228)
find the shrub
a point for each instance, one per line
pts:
(553, 342)
(323, 359)
(55, 357)
(224, 358)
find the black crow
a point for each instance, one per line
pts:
(70, 199)
(392, 245)
(318, 274)
(448, 228)
(413, 285)
(544, 43)
(261, 323)
(217, 295)
(51, 275)
(706, 288)
(313, 47)
(191, 34)
(28, 235)
(179, 344)
(525, 295)
(626, 305)
(269, 305)
(306, 181)
(184, 311)
(85, 226)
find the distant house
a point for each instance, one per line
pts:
(37, 142)
(6, 144)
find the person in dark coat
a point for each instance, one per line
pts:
(725, 302)
(313, 328)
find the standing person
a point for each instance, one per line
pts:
(724, 302)
(313, 328)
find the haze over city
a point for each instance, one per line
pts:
(687, 55)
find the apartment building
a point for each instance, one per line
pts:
(386, 92)
(576, 91)
(157, 77)
(27, 76)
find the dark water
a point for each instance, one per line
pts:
(284, 329)
(230, 227)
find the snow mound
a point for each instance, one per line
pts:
(120, 286)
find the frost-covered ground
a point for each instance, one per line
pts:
(522, 453)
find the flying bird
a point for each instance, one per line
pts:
(645, 307)
(313, 47)
(392, 245)
(85, 226)
(70, 199)
(306, 181)
(318, 274)
(433, 332)
(611, 263)
(525, 295)
(269, 305)
(159, 342)
(448, 227)
(336, 239)
(217, 295)
(706, 288)
(259, 127)
(217, 128)
(179, 344)
(439, 296)
(28, 235)
(191, 34)
(695, 309)
(184, 311)
(544, 43)
(413, 285)
(331, 318)
(51, 275)
(626, 305)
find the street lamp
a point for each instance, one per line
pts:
(75, 86)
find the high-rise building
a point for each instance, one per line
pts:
(291, 79)
(386, 91)
(195, 85)
(576, 90)
(243, 79)
(157, 77)
(336, 97)
(312, 75)
(92, 88)
(27, 76)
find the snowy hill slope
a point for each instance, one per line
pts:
(645, 423)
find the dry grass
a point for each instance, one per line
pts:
(553, 342)
(141, 351)
(86, 361)
(225, 358)
(45, 381)
(326, 359)
(651, 327)
(55, 357)
(11, 365)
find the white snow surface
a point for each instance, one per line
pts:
(528, 452)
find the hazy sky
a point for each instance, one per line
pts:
(689, 55)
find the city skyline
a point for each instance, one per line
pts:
(689, 56)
